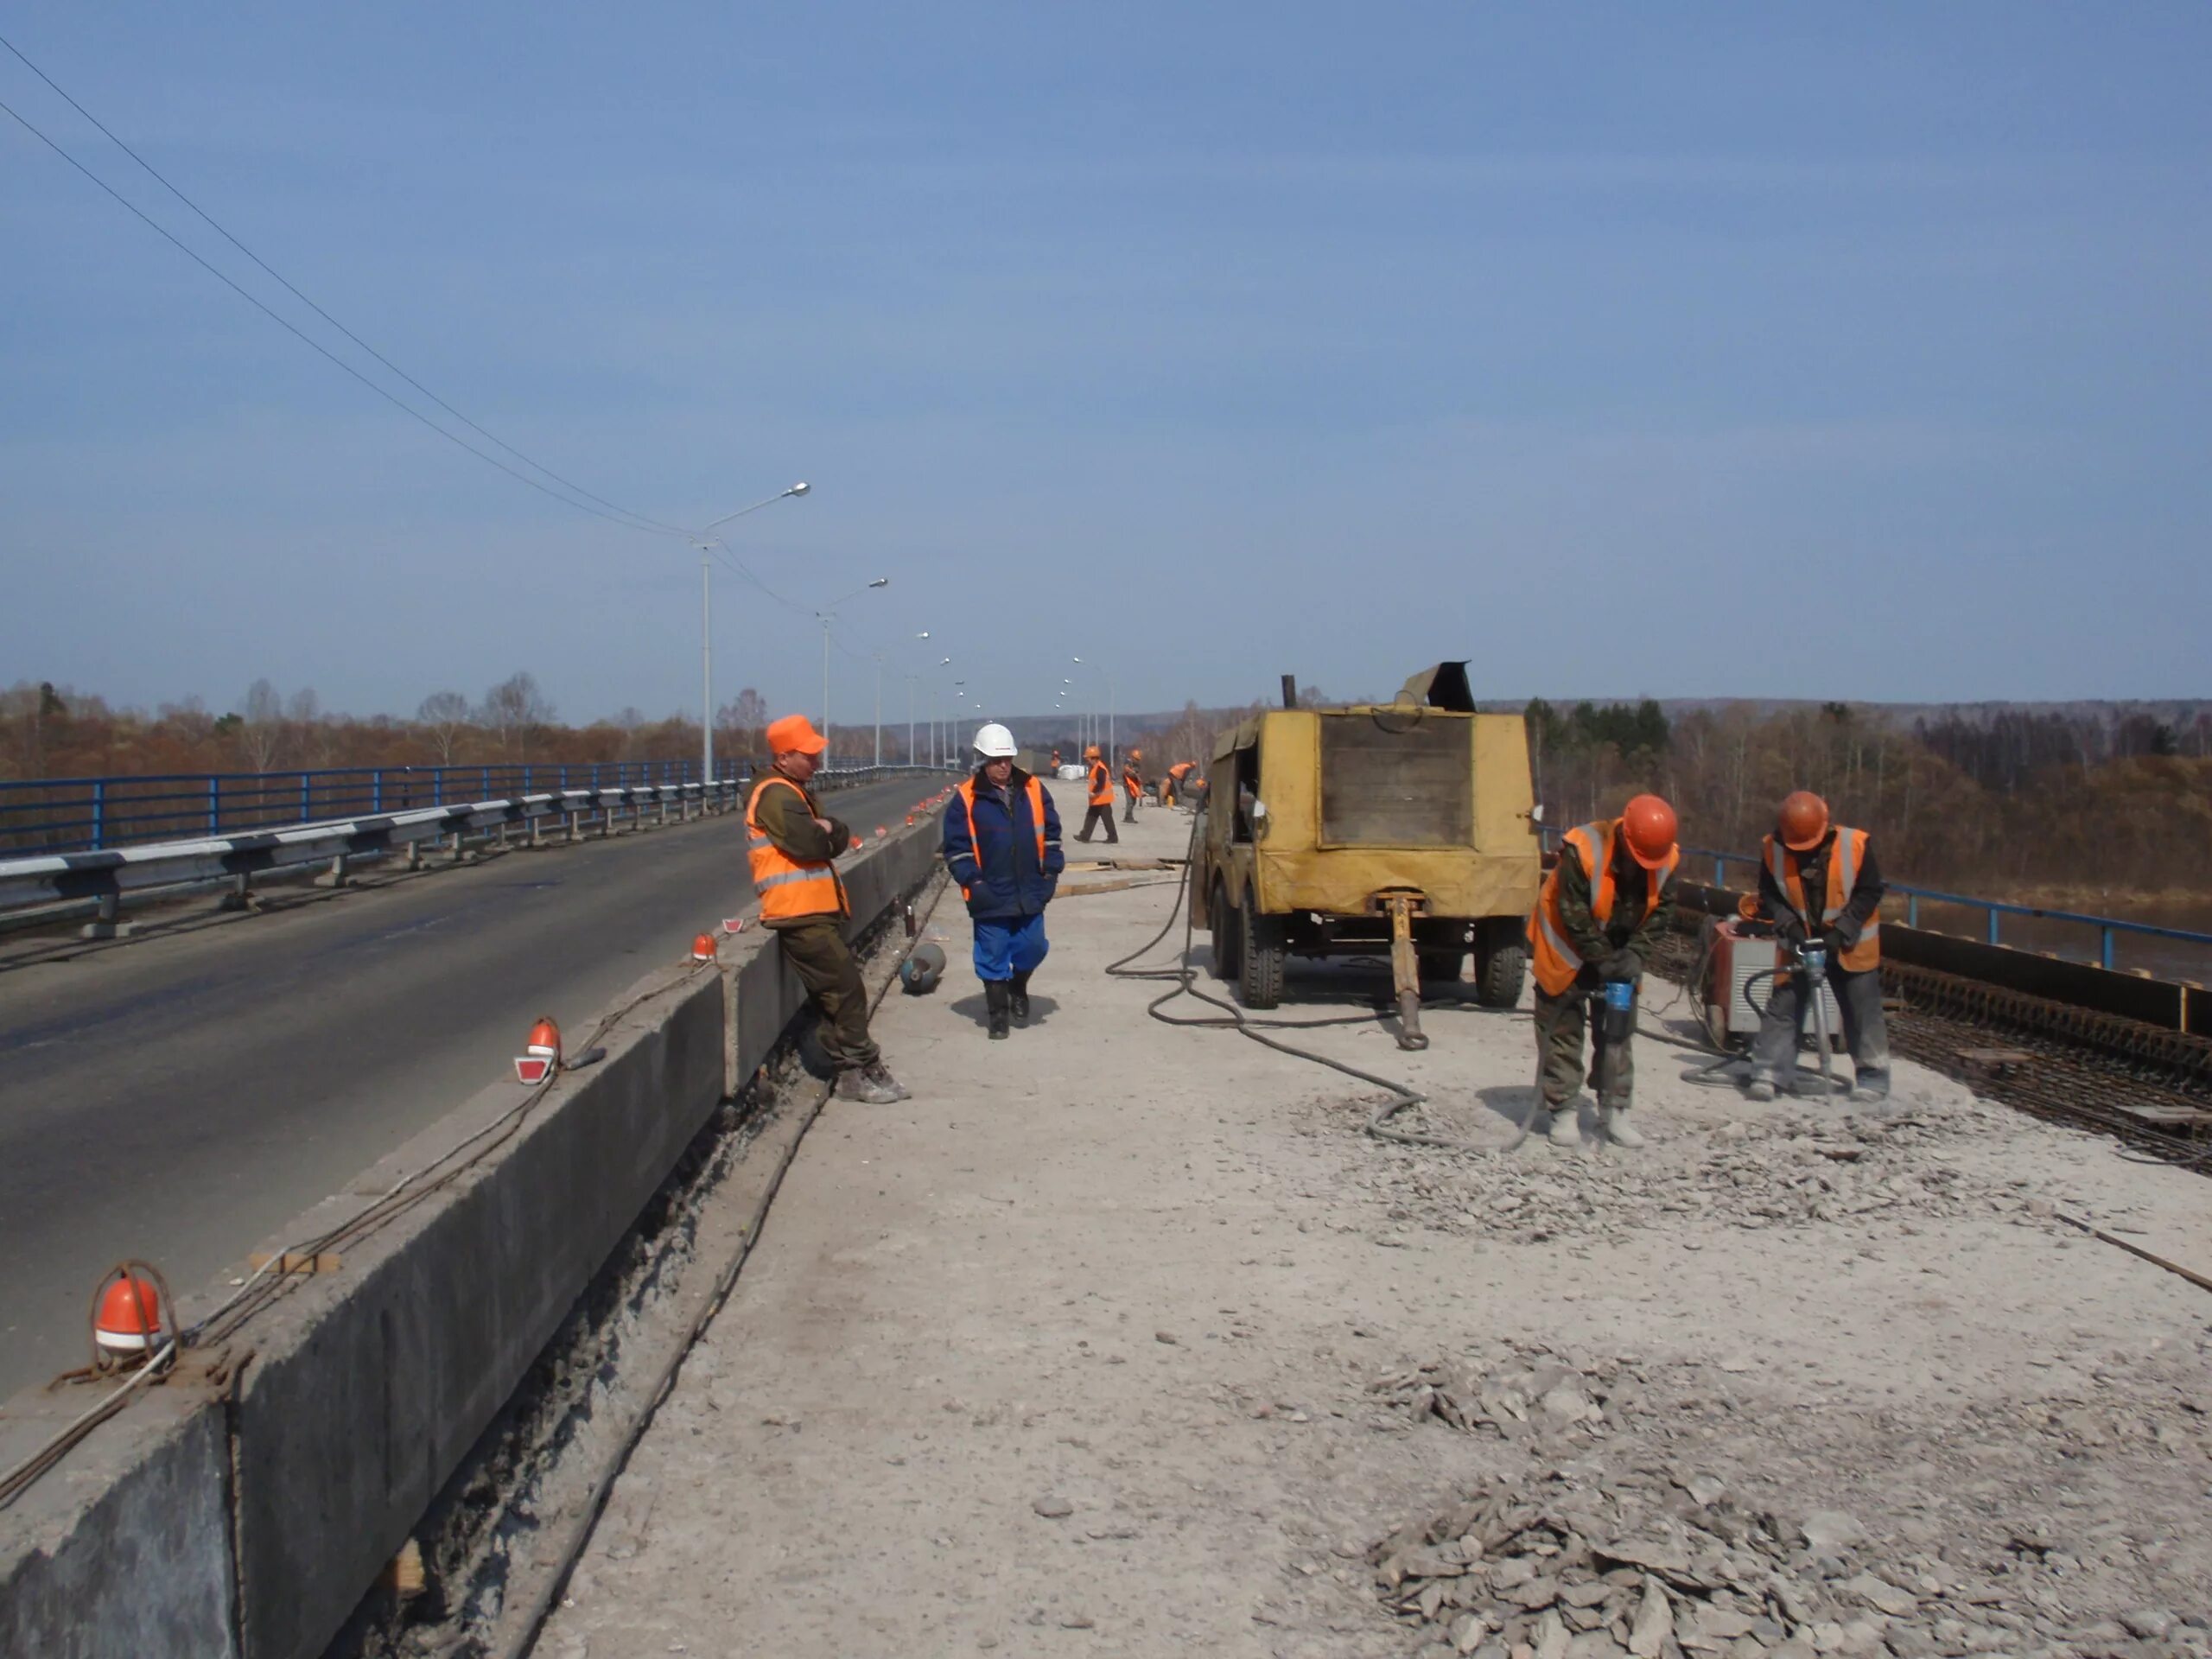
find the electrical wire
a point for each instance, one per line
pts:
(632, 522)
(290, 288)
(1402, 1097)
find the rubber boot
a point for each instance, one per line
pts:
(996, 997)
(1613, 1126)
(1761, 1090)
(1017, 993)
(1565, 1130)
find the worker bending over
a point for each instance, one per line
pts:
(1003, 845)
(793, 849)
(1100, 783)
(1171, 786)
(1132, 784)
(1601, 913)
(1818, 881)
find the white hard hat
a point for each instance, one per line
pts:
(994, 742)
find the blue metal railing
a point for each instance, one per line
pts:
(2109, 928)
(69, 814)
(1994, 910)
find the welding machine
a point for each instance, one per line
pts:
(1740, 958)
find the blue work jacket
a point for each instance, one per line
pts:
(1000, 868)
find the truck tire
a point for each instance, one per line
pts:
(1221, 957)
(1441, 967)
(1260, 945)
(1501, 963)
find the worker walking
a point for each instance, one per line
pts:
(793, 849)
(1819, 883)
(1100, 783)
(1132, 783)
(1602, 912)
(1002, 845)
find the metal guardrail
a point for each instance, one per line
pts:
(2109, 928)
(62, 815)
(107, 874)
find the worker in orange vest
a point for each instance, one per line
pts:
(1601, 913)
(1132, 783)
(1101, 784)
(1171, 787)
(1818, 881)
(1056, 763)
(793, 849)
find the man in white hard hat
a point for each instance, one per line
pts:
(1003, 845)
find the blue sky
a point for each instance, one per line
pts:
(1686, 351)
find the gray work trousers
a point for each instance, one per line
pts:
(1865, 1032)
(1561, 1023)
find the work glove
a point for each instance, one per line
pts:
(1790, 931)
(1847, 930)
(1621, 965)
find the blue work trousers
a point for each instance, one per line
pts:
(1008, 946)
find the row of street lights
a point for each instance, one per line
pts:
(939, 752)
(707, 543)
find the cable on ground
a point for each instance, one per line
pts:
(1401, 1098)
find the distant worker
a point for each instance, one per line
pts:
(1603, 910)
(1132, 784)
(1819, 882)
(1057, 763)
(1100, 783)
(1003, 845)
(793, 849)
(1171, 786)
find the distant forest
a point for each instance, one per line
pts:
(2082, 799)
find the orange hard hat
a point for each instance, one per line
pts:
(1136, 754)
(130, 1315)
(1802, 821)
(1090, 753)
(1648, 826)
(794, 734)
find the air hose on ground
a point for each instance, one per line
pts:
(1402, 1097)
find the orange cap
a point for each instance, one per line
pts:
(1802, 821)
(794, 734)
(702, 948)
(1648, 825)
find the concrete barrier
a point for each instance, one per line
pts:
(252, 1527)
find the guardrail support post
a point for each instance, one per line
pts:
(109, 923)
(240, 897)
(663, 809)
(575, 834)
(414, 855)
(335, 876)
(461, 853)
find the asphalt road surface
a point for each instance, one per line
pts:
(180, 1097)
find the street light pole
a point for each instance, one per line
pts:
(825, 614)
(706, 625)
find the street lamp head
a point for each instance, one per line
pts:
(799, 488)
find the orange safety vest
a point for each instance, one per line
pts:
(789, 888)
(967, 792)
(1844, 862)
(1133, 781)
(1101, 785)
(1550, 952)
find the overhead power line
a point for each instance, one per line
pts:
(614, 513)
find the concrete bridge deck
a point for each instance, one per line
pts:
(1123, 1339)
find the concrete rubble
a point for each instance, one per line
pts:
(1124, 1339)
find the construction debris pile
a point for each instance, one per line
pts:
(1687, 1534)
(1785, 1170)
